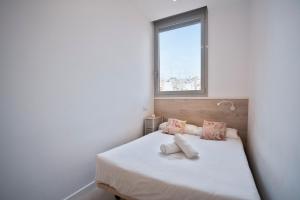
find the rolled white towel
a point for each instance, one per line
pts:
(169, 148)
(188, 150)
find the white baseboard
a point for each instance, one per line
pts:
(79, 191)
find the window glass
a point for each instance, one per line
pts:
(180, 58)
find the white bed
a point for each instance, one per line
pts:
(138, 170)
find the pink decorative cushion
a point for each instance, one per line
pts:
(213, 130)
(174, 126)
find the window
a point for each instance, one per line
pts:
(181, 54)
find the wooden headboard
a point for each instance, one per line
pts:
(194, 111)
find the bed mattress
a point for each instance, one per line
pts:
(138, 169)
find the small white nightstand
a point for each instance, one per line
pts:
(151, 124)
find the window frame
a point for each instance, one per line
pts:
(175, 22)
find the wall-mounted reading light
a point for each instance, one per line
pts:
(232, 107)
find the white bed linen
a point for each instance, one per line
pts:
(138, 169)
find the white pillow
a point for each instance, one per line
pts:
(188, 129)
(232, 133)
(192, 129)
(162, 126)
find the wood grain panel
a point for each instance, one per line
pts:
(197, 110)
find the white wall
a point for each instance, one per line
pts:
(228, 42)
(273, 139)
(75, 79)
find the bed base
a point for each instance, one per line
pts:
(113, 191)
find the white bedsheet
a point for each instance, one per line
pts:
(139, 170)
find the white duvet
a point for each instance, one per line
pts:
(139, 170)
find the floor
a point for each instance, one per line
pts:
(93, 193)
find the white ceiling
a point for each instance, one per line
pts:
(158, 9)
